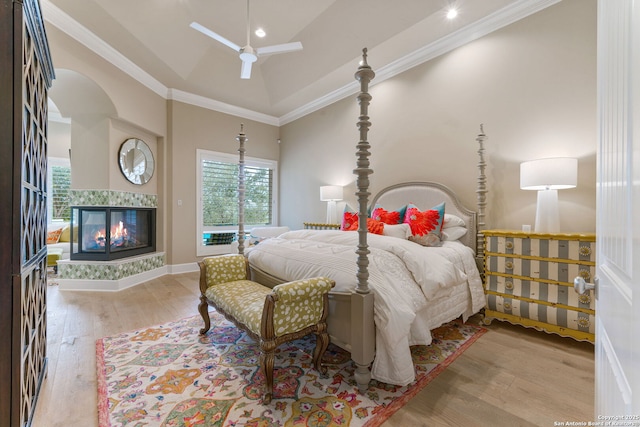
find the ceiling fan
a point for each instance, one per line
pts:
(248, 54)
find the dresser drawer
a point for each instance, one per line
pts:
(538, 269)
(544, 248)
(540, 314)
(539, 291)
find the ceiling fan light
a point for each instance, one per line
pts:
(247, 54)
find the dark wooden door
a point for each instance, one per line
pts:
(25, 78)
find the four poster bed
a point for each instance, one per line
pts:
(390, 292)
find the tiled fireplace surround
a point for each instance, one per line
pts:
(110, 275)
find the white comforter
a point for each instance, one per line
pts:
(404, 276)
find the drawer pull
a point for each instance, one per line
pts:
(508, 284)
(581, 286)
(508, 265)
(509, 245)
(507, 306)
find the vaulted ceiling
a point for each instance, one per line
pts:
(152, 41)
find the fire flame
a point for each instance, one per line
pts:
(118, 233)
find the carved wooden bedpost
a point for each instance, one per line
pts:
(482, 199)
(364, 75)
(362, 300)
(241, 138)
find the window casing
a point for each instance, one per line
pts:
(58, 183)
(217, 190)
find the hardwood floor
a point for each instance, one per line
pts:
(511, 376)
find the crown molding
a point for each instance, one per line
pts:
(503, 17)
(211, 104)
(323, 101)
(499, 19)
(55, 116)
(82, 35)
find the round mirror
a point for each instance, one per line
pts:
(136, 161)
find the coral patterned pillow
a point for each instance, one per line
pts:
(53, 236)
(350, 222)
(426, 226)
(349, 219)
(375, 227)
(388, 217)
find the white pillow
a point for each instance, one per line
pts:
(258, 234)
(453, 233)
(451, 220)
(401, 231)
(267, 232)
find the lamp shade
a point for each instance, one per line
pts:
(331, 193)
(556, 173)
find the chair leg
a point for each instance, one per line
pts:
(203, 308)
(267, 360)
(322, 342)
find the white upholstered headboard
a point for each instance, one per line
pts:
(426, 195)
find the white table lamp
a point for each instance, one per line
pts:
(548, 176)
(331, 194)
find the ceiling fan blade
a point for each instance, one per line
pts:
(215, 36)
(245, 72)
(279, 48)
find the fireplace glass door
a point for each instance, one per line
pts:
(106, 233)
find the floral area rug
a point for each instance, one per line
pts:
(168, 375)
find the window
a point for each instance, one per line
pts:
(217, 189)
(59, 183)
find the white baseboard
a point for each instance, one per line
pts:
(183, 268)
(126, 282)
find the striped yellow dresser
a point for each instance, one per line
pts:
(529, 281)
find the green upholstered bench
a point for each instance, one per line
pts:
(272, 316)
(53, 256)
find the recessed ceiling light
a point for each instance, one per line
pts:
(452, 13)
(260, 32)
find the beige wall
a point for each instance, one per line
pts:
(90, 153)
(133, 102)
(532, 84)
(193, 128)
(173, 130)
(59, 140)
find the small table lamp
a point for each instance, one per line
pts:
(331, 194)
(548, 176)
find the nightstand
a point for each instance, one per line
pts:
(320, 226)
(528, 280)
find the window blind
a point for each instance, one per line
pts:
(60, 184)
(220, 194)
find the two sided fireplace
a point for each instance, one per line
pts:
(108, 233)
